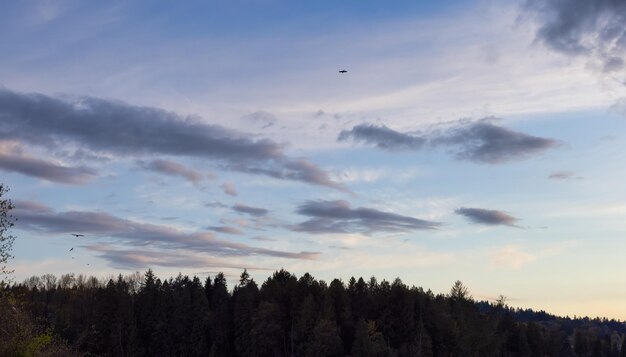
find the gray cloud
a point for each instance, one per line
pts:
(383, 137)
(263, 239)
(229, 189)
(482, 141)
(104, 225)
(563, 175)
(253, 211)
(339, 217)
(594, 28)
(487, 216)
(216, 204)
(479, 141)
(172, 168)
(142, 258)
(291, 169)
(225, 229)
(45, 170)
(114, 127)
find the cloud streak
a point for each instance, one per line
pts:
(142, 258)
(172, 168)
(487, 216)
(107, 126)
(38, 218)
(479, 141)
(563, 175)
(14, 161)
(249, 210)
(383, 138)
(225, 229)
(340, 217)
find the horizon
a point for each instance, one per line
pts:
(478, 141)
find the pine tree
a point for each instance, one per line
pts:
(6, 239)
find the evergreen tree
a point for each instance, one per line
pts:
(6, 239)
(325, 340)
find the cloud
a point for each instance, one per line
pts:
(487, 216)
(104, 126)
(478, 141)
(511, 256)
(482, 141)
(563, 175)
(514, 256)
(12, 159)
(142, 258)
(291, 169)
(339, 217)
(102, 225)
(253, 211)
(260, 118)
(383, 137)
(583, 27)
(172, 168)
(229, 189)
(216, 204)
(225, 229)
(263, 239)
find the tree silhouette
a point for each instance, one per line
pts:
(289, 316)
(459, 291)
(6, 239)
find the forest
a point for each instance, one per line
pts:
(286, 315)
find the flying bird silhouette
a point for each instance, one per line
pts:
(72, 249)
(78, 235)
(343, 71)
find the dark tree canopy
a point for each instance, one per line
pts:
(6, 239)
(289, 316)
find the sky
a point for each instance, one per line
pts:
(474, 140)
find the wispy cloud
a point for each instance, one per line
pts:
(260, 118)
(511, 256)
(145, 258)
(515, 256)
(225, 229)
(478, 141)
(13, 159)
(229, 189)
(172, 168)
(383, 137)
(253, 211)
(563, 175)
(263, 239)
(100, 225)
(339, 217)
(487, 216)
(108, 126)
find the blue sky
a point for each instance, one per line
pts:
(476, 140)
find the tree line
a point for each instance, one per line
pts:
(142, 315)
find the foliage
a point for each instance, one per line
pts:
(6, 239)
(20, 336)
(291, 316)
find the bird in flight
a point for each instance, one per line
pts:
(78, 235)
(72, 249)
(343, 71)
